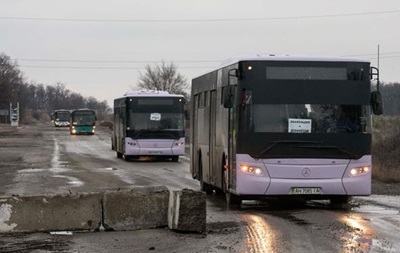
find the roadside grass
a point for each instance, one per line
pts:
(386, 149)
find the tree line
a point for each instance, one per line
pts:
(391, 98)
(37, 100)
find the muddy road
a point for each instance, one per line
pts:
(45, 159)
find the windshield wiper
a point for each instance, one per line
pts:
(353, 155)
(258, 156)
(138, 133)
(156, 133)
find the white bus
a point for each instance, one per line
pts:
(149, 123)
(268, 125)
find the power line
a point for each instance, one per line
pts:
(201, 20)
(374, 54)
(83, 67)
(108, 61)
(139, 68)
(383, 55)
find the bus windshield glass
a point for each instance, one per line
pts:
(307, 118)
(84, 118)
(155, 114)
(306, 73)
(62, 116)
(156, 121)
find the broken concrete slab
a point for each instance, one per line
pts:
(187, 211)
(50, 212)
(137, 208)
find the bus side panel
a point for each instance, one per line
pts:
(208, 135)
(221, 138)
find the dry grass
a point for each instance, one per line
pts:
(386, 149)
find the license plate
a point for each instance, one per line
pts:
(305, 191)
(155, 152)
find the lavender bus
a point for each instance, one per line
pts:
(149, 123)
(274, 126)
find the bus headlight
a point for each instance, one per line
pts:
(251, 169)
(360, 170)
(178, 143)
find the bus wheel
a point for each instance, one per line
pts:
(119, 155)
(204, 186)
(175, 158)
(339, 200)
(224, 183)
(232, 199)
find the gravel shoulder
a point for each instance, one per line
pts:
(380, 188)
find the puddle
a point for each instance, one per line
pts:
(31, 171)
(71, 180)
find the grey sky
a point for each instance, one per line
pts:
(131, 45)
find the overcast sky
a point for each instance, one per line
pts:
(97, 47)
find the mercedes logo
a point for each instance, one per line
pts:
(306, 172)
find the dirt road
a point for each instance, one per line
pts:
(44, 159)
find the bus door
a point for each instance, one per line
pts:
(214, 168)
(121, 126)
(194, 140)
(232, 130)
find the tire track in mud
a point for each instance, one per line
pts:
(259, 236)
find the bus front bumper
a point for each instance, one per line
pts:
(155, 147)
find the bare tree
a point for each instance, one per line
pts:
(11, 81)
(163, 77)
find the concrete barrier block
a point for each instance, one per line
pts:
(137, 208)
(50, 212)
(187, 211)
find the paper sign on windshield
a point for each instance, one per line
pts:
(155, 116)
(299, 126)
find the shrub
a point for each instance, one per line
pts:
(386, 149)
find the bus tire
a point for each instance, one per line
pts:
(175, 158)
(339, 200)
(204, 186)
(224, 187)
(232, 199)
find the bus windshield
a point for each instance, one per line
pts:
(62, 116)
(84, 118)
(156, 121)
(156, 113)
(307, 118)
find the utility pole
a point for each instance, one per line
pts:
(378, 56)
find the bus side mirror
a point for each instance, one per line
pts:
(376, 103)
(228, 96)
